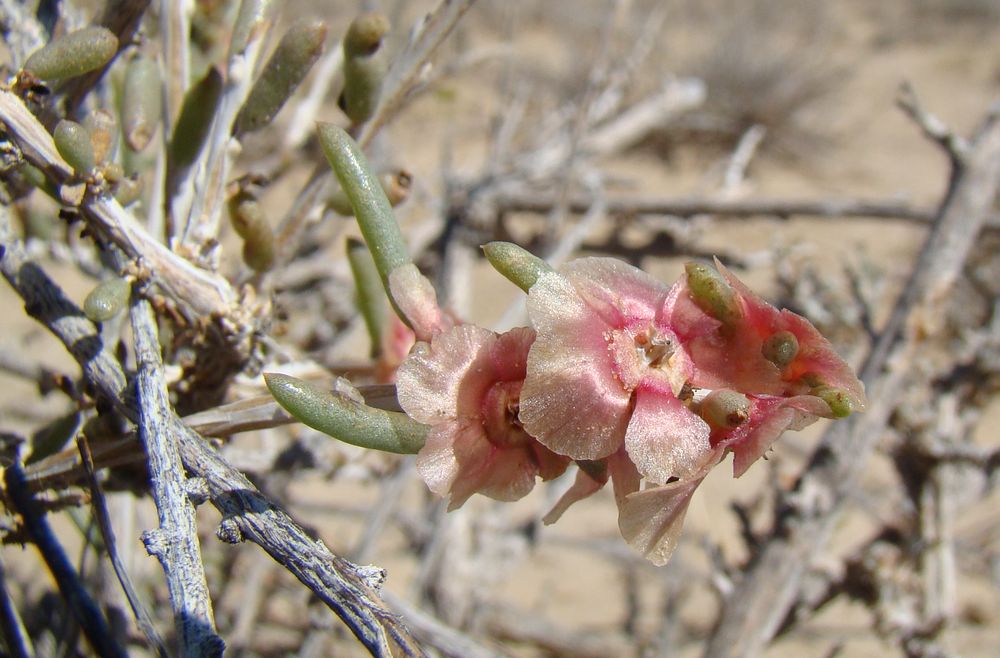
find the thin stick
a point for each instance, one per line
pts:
(527, 201)
(100, 507)
(85, 610)
(15, 637)
(175, 542)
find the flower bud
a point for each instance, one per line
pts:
(107, 299)
(74, 145)
(289, 64)
(142, 98)
(72, 54)
(780, 348)
(725, 409)
(713, 294)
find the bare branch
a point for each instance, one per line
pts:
(100, 508)
(175, 542)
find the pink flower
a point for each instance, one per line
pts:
(607, 370)
(466, 384)
(788, 373)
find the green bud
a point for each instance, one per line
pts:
(195, 120)
(142, 98)
(780, 348)
(725, 409)
(521, 267)
(107, 299)
(289, 64)
(72, 54)
(74, 145)
(840, 403)
(114, 173)
(713, 294)
(346, 419)
(364, 66)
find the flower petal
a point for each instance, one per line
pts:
(664, 438)
(458, 460)
(583, 486)
(651, 520)
(447, 378)
(769, 418)
(570, 400)
(615, 290)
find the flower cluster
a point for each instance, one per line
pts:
(646, 385)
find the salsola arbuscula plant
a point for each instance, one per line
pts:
(253, 228)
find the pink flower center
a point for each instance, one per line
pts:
(646, 351)
(500, 407)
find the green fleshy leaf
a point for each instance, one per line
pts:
(370, 295)
(345, 419)
(195, 120)
(107, 299)
(141, 102)
(371, 207)
(72, 54)
(74, 145)
(285, 70)
(520, 266)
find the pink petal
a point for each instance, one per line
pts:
(437, 462)
(583, 486)
(769, 419)
(447, 378)
(816, 355)
(570, 400)
(615, 290)
(458, 460)
(665, 439)
(651, 520)
(624, 475)
(508, 354)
